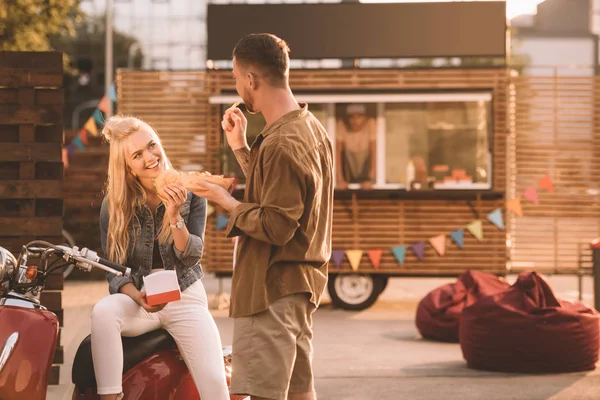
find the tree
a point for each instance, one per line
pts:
(27, 25)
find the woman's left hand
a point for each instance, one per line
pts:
(175, 195)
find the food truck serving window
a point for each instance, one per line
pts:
(424, 141)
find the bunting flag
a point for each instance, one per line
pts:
(105, 105)
(419, 249)
(531, 195)
(83, 136)
(337, 256)
(222, 221)
(354, 257)
(98, 117)
(439, 244)
(495, 217)
(375, 257)
(546, 183)
(459, 237)
(514, 205)
(77, 142)
(91, 127)
(399, 252)
(112, 93)
(476, 229)
(209, 210)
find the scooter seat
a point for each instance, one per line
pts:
(135, 349)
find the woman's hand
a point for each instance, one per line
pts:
(130, 290)
(175, 195)
(140, 299)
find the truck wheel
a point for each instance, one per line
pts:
(355, 291)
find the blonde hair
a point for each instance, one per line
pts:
(125, 193)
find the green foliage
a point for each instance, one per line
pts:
(27, 25)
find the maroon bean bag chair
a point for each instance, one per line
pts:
(527, 329)
(438, 313)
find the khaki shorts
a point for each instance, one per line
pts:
(272, 350)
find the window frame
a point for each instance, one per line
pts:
(329, 101)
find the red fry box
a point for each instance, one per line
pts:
(162, 287)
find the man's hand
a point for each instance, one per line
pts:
(234, 124)
(216, 194)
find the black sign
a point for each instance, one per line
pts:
(356, 30)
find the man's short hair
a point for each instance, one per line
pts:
(266, 52)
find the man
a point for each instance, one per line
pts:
(283, 224)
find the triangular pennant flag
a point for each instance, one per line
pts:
(531, 195)
(476, 229)
(91, 127)
(546, 183)
(459, 237)
(71, 149)
(112, 93)
(105, 105)
(375, 257)
(439, 244)
(337, 256)
(65, 157)
(222, 221)
(514, 205)
(209, 210)
(98, 117)
(77, 142)
(419, 249)
(83, 136)
(495, 217)
(399, 252)
(354, 257)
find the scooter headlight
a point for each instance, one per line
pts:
(8, 263)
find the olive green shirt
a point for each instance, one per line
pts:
(284, 224)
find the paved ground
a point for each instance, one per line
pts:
(374, 354)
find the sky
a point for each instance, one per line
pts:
(514, 8)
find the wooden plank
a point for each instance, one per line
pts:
(46, 61)
(49, 133)
(26, 134)
(51, 300)
(19, 226)
(54, 374)
(59, 356)
(50, 96)
(9, 133)
(14, 114)
(30, 152)
(17, 207)
(55, 281)
(26, 97)
(27, 170)
(31, 189)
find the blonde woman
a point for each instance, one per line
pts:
(140, 230)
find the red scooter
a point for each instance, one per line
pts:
(153, 368)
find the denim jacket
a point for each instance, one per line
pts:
(142, 233)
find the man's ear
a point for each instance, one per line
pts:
(252, 80)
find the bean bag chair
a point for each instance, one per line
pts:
(438, 313)
(527, 329)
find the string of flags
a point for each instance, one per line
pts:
(438, 242)
(93, 126)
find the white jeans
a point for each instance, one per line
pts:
(187, 320)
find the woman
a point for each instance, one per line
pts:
(140, 230)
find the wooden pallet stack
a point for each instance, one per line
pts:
(31, 169)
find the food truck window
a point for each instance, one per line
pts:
(356, 144)
(438, 145)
